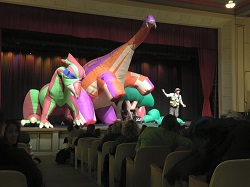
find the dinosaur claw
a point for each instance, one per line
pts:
(41, 125)
(155, 25)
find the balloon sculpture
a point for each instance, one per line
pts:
(82, 99)
(107, 76)
(58, 96)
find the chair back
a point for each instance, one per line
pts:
(122, 151)
(144, 157)
(231, 173)
(170, 161)
(11, 178)
(94, 146)
(105, 149)
(78, 151)
(87, 144)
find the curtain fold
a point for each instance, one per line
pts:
(104, 27)
(207, 63)
(0, 68)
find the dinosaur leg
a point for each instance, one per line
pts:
(111, 86)
(86, 108)
(31, 107)
(72, 104)
(48, 106)
(106, 114)
(140, 82)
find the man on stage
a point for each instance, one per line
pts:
(175, 101)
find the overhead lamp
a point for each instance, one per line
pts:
(230, 4)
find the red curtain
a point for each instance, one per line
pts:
(110, 28)
(207, 61)
(116, 29)
(0, 69)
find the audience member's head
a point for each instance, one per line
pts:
(130, 129)
(97, 132)
(90, 129)
(109, 129)
(70, 128)
(142, 128)
(170, 123)
(196, 124)
(117, 127)
(77, 127)
(10, 132)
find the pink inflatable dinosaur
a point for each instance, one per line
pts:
(56, 97)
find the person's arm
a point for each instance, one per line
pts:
(181, 102)
(182, 141)
(167, 95)
(26, 165)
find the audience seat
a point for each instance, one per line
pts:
(105, 150)
(92, 156)
(229, 173)
(78, 151)
(138, 170)
(115, 162)
(11, 178)
(157, 174)
(84, 151)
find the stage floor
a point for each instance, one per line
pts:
(102, 127)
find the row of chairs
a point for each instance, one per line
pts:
(148, 169)
(229, 173)
(152, 163)
(82, 150)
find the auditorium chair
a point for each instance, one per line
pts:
(11, 178)
(158, 173)
(79, 151)
(84, 151)
(100, 157)
(138, 170)
(92, 156)
(229, 173)
(115, 161)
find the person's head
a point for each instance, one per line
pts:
(97, 132)
(90, 129)
(77, 127)
(70, 128)
(177, 90)
(109, 129)
(169, 122)
(10, 132)
(143, 127)
(130, 129)
(116, 127)
(197, 124)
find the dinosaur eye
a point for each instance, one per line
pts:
(82, 79)
(69, 74)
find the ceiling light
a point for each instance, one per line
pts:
(230, 4)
